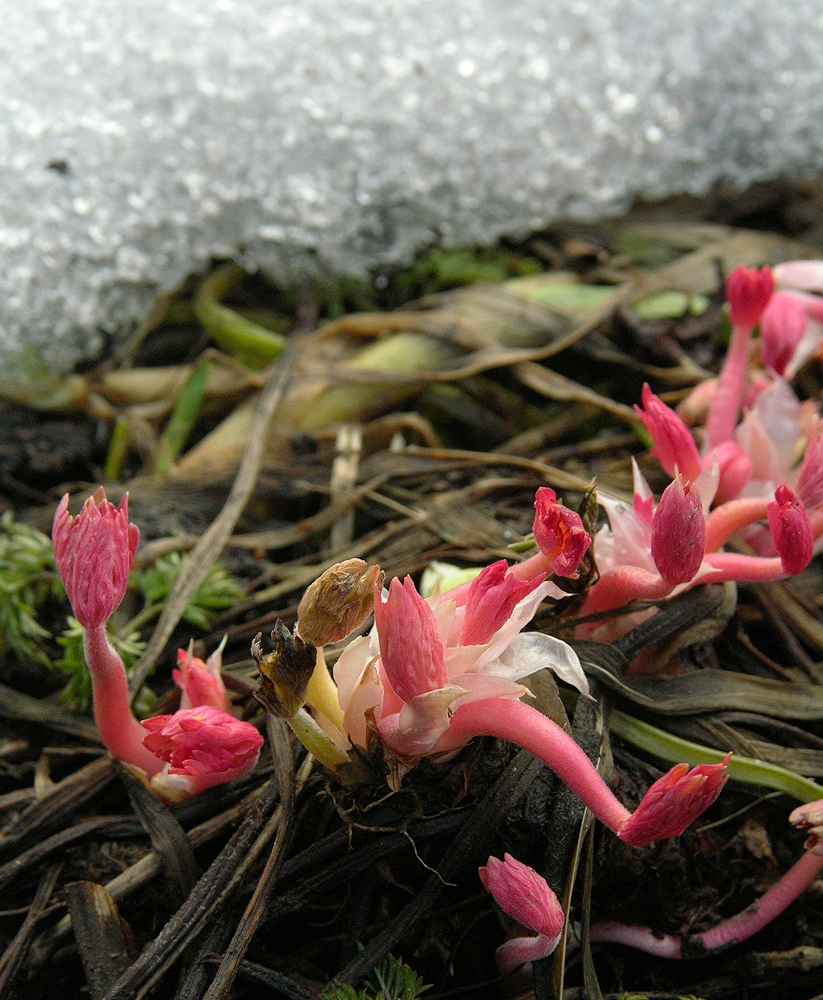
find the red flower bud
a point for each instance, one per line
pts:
(748, 291)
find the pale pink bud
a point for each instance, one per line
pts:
(678, 533)
(493, 595)
(782, 326)
(790, 530)
(673, 445)
(735, 468)
(93, 552)
(203, 741)
(810, 478)
(410, 646)
(748, 291)
(809, 817)
(524, 895)
(559, 533)
(673, 802)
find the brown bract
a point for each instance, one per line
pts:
(338, 601)
(284, 672)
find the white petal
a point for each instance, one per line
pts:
(531, 651)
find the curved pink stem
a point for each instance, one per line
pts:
(121, 733)
(737, 928)
(726, 402)
(666, 809)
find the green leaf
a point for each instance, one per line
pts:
(218, 590)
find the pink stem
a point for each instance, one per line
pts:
(121, 733)
(617, 587)
(737, 928)
(744, 569)
(517, 951)
(532, 567)
(730, 517)
(525, 726)
(726, 402)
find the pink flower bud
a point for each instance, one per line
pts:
(559, 533)
(790, 530)
(782, 326)
(674, 446)
(748, 291)
(673, 802)
(93, 552)
(200, 681)
(678, 533)
(410, 646)
(203, 741)
(524, 895)
(493, 596)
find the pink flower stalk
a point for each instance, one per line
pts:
(524, 896)
(673, 445)
(748, 292)
(667, 808)
(732, 931)
(203, 744)
(560, 536)
(782, 326)
(93, 552)
(790, 530)
(200, 682)
(678, 538)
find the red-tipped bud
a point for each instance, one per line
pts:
(410, 646)
(678, 533)
(735, 469)
(524, 895)
(782, 326)
(790, 530)
(674, 446)
(748, 291)
(203, 741)
(492, 598)
(559, 533)
(93, 552)
(673, 802)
